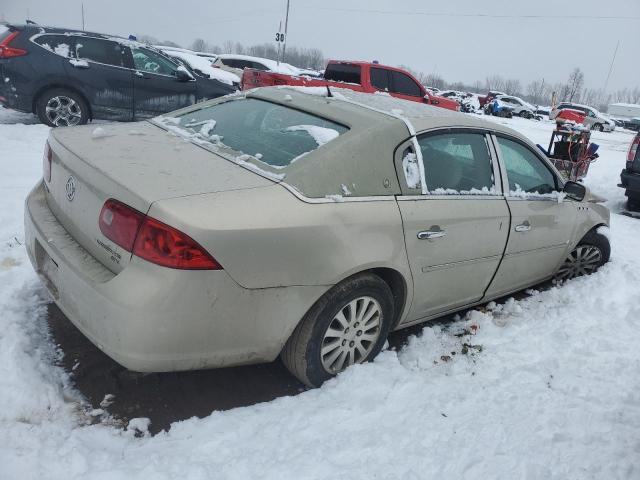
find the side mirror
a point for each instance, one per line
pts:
(182, 75)
(575, 190)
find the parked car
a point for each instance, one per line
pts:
(519, 106)
(70, 77)
(486, 99)
(202, 66)
(594, 119)
(236, 64)
(286, 222)
(630, 175)
(358, 76)
(468, 101)
(542, 111)
(633, 124)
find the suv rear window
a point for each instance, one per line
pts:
(59, 44)
(343, 72)
(273, 134)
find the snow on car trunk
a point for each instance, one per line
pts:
(135, 164)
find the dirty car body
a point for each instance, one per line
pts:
(275, 200)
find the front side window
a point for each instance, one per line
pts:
(380, 78)
(101, 51)
(404, 85)
(526, 171)
(268, 132)
(457, 162)
(151, 62)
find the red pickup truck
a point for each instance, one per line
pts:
(359, 76)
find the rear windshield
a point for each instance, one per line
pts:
(271, 133)
(343, 72)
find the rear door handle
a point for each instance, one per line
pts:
(523, 227)
(431, 234)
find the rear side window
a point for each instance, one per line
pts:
(457, 162)
(404, 85)
(526, 172)
(380, 78)
(100, 51)
(62, 45)
(343, 72)
(273, 134)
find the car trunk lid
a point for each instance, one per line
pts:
(136, 164)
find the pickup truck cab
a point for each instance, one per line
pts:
(359, 76)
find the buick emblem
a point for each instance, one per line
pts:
(71, 188)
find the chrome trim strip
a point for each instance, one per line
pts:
(406, 198)
(534, 250)
(373, 198)
(446, 266)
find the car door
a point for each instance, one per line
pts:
(380, 79)
(456, 225)
(403, 86)
(98, 68)
(156, 86)
(542, 223)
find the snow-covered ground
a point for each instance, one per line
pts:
(548, 387)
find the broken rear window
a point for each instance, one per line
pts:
(272, 133)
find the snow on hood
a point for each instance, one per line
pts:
(203, 64)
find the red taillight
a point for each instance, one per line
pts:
(46, 163)
(152, 240)
(120, 223)
(633, 150)
(9, 52)
(164, 245)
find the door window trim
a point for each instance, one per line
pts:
(422, 193)
(505, 176)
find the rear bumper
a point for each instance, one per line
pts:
(152, 319)
(630, 182)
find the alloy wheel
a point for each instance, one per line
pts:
(63, 111)
(352, 334)
(583, 260)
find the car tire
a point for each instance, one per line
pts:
(524, 114)
(60, 107)
(586, 258)
(330, 337)
(633, 204)
(597, 127)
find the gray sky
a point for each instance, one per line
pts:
(511, 38)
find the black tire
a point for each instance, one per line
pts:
(633, 204)
(524, 114)
(74, 108)
(302, 352)
(591, 239)
(597, 127)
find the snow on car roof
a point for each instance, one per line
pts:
(270, 64)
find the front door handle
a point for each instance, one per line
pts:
(431, 234)
(523, 227)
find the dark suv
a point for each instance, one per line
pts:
(630, 176)
(69, 77)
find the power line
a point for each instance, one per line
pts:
(473, 15)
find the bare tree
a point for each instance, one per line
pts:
(512, 86)
(575, 85)
(199, 45)
(495, 82)
(435, 80)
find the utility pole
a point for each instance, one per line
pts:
(615, 52)
(82, 6)
(286, 24)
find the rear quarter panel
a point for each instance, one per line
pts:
(268, 237)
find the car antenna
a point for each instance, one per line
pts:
(329, 94)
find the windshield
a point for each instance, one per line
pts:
(273, 134)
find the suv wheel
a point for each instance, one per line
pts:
(587, 257)
(597, 127)
(60, 107)
(348, 325)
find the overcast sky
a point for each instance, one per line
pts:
(462, 40)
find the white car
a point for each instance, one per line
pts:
(202, 64)
(519, 106)
(595, 119)
(237, 63)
